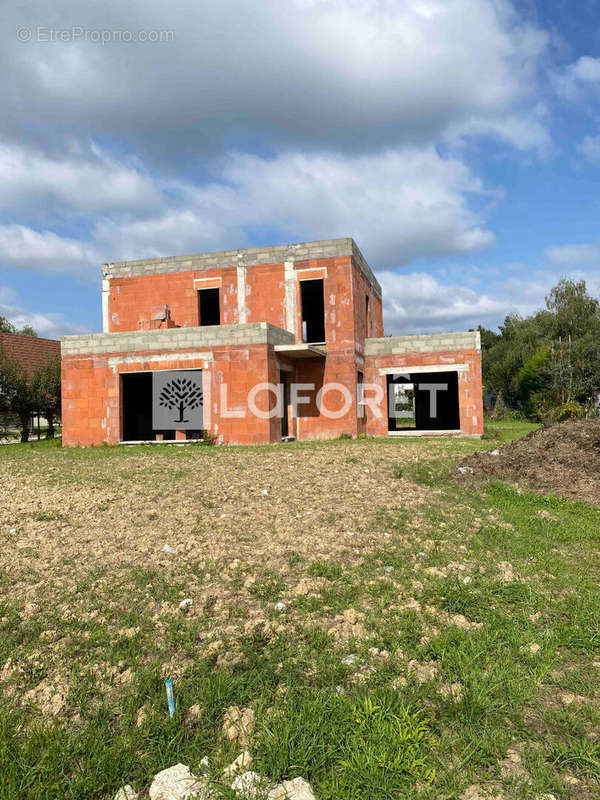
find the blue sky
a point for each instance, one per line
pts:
(458, 141)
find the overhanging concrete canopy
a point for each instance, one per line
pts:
(302, 350)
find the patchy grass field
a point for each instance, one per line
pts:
(397, 632)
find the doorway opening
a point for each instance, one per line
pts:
(424, 401)
(285, 399)
(313, 311)
(136, 404)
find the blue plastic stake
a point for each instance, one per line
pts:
(170, 696)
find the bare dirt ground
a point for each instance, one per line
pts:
(219, 525)
(562, 460)
(209, 505)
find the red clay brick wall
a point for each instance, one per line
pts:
(131, 300)
(469, 385)
(241, 369)
(265, 294)
(338, 367)
(337, 290)
(91, 393)
(373, 327)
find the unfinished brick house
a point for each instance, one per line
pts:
(285, 342)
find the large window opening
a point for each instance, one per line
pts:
(426, 401)
(367, 317)
(313, 311)
(209, 307)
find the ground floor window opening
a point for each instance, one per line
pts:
(424, 401)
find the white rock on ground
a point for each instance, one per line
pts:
(177, 783)
(126, 793)
(248, 785)
(186, 603)
(241, 764)
(297, 789)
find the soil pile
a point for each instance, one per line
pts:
(562, 460)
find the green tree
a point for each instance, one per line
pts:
(47, 391)
(575, 312)
(534, 380)
(27, 330)
(549, 359)
(8, 327)
(17, 394)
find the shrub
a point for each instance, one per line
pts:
(564, 412)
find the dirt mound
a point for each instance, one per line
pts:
(562, 460)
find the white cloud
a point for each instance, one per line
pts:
(525, 131)
(574, 255)
(399, 205)
(418, 303)
(360, 73)
(44, 251)
(580, 76)
(84, 181)
(48, 325)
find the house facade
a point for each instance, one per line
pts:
(282, 342)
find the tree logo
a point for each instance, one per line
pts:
(181, 394)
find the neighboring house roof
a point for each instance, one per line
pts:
(29, 351)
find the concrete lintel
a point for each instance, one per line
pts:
(157, 359)
(405, 370)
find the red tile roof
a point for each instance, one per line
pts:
(29, 351)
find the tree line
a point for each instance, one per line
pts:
(547, 365)
(24, 394)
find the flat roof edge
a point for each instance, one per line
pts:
(423, 343)
(175, 339)
(263, 254)
(248, 257)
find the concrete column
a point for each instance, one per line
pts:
(291, 319)
(241, 294)
(105, 299)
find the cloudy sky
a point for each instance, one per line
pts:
(458, 141)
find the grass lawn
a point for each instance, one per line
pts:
(437, 638)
